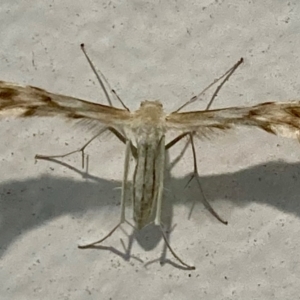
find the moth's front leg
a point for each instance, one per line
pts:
(82, 149)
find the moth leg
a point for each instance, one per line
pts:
(114, 131)
(160, 163)
(123, 200)
(176, 140)
(189, 267)
(196, 176)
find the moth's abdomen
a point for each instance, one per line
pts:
(146, 181)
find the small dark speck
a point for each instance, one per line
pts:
(225, 277)
(190, 275)
(88, 291)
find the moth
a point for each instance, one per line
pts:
(143, 133)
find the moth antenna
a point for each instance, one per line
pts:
(227, 75)
(115, 93)
(97, 75)
(82, 46)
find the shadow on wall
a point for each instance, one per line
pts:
(25, 205)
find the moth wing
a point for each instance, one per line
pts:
(279, 118)
(28, 101)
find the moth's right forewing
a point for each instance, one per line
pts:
(201, 123)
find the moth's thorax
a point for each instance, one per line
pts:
(148, 122)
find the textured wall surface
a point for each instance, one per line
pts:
(166, 50)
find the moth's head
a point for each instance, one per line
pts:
(153, 103)
(150, 111)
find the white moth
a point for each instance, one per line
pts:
(143, 132)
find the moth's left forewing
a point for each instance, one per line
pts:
(279, 118)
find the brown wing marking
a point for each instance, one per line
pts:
(280, 118)
(28, 101)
